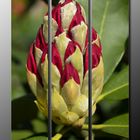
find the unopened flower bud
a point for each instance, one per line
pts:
(69, 65)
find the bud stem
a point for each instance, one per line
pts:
(59, 135)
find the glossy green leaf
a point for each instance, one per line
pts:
(18, 135)
(117, 88)
(110, 18)
(37, 138)
(118, 125)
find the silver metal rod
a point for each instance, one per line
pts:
(49, 70)
(90, 68)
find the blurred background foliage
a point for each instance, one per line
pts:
(110, 19)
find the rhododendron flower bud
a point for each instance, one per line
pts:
(69, 65)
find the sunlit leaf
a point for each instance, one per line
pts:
(110, 18)
(117, 87)
(118, 125)
(18, 134)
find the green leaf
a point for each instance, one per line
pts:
(39, 126)
(110, 18)
(37, 138)
(118, 125)
(117, 87)
(18, 135)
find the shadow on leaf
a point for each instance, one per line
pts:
(23, 111)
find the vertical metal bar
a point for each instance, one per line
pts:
(49, 70)
(90, 68)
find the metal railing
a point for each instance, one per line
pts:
(90, 69)
(49, 70)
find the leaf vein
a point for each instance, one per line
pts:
(104, 17)
(102, 126)
(105, 94)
